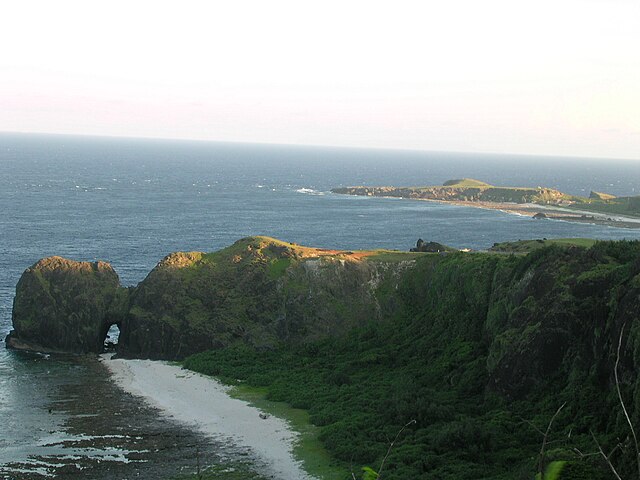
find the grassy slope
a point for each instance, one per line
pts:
(628, 206)
(252, 291)
(469, 189)
(480, 343)
(465, 182)
(526, 246)
(310, 450)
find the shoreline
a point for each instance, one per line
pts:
(83, 426)
(204, 404)
(531, 209)
(551, 212)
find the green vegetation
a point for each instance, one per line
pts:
(470, 190)
(627, 206)
(310, 450)
(526, 246)
(259, 290)
(465, 190)
(479, 349)
(392, 256)
(465, 182)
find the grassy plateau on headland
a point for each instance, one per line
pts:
(480, 349)
(470, 191)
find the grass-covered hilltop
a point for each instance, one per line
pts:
(475, 191)
(481, 349)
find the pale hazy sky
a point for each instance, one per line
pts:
(542, 77)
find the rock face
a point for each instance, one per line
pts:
(259, 291)
(431, 247)
(64, 305)
(529, 316)
(600, 196)
(463, 191)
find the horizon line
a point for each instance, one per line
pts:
(310, 145)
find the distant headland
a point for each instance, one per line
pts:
(538, 202)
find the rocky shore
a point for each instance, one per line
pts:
(111, 434)
(553, 213)
(193, 399)
(538, 202)
(334, 332)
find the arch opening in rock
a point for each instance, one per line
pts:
(111, 338)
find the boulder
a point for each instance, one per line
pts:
(67, 306)
(431, 247)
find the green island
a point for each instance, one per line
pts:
(538, 201)
(480, 349)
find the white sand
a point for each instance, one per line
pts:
(202, 402)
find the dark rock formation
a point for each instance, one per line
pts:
(259, 291)
(464, 191)
(431, 247)
(469, 344)
(528, 316)
(64, 305)
(540, 215)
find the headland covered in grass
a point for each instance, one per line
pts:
(481, 351)
(527, 246)
(541, 202)
(479, 348)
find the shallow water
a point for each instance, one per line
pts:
(131, 202)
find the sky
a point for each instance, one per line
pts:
(549, 77)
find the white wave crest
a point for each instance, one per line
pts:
(309, 191)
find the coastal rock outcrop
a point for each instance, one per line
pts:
(463, 190)
(67, 306)
(431, 247)
(528, 315)
(600, 196)
(259, 291)
(468, 344)
(476, 193)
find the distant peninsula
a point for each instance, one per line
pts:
(539, 202)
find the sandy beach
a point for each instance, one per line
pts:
(203, 403)
(551, 212)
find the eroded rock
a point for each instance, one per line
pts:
(67, 306)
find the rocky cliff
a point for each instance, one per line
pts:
(468, 344)
(260, 291)
(480, 349)
(475, 191)
(64, 305)
(531, 312)
(463, 190)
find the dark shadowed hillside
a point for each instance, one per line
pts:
(479, 348)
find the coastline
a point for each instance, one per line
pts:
(531, 209)
(83, 426)
(204, 403)
(553, 213)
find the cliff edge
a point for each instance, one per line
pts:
(259, 291)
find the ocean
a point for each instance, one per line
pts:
(132, 201)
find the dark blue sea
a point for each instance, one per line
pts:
(132, 201)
